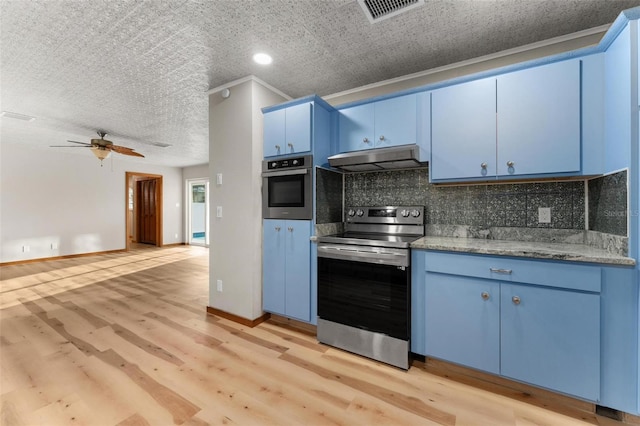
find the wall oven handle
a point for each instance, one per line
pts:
(285, 173)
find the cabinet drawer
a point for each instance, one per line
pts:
(551, 274)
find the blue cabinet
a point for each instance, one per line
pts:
(288, 130)
(467, 314)
(551, 338)
(524, 123)
(533, 321)
(356, 128)
(463, 143)
(385, 123)
(539, 120)
(286, 268)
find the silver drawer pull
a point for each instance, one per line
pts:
(501, 271)
(515, 300)
(485, 295)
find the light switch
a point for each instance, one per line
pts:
(219, 179)
(544, 215)
(219, 211)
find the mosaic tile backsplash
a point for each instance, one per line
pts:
(495, 205)
(608, 204)
(328, 196)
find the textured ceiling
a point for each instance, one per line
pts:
(141, 70)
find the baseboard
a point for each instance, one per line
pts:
(530, 394)
(294, 324)
(66, 256)
(237, 318)
(174, 244)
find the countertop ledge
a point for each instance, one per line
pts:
(533, 250)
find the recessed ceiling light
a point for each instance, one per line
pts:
(262, 58)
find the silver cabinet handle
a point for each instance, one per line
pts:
(485, 295)
(278, 228)
(501, 271)
(278, 148)
(515, 300)
(290, 145)
(381, 137)
(483, 166)
(290, 228)
(510, 163)
(365, 140)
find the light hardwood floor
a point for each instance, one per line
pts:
(123, 339)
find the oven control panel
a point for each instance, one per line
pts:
(288, 163)
(387, 215)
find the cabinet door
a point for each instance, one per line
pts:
(273, 276)
(298, 129)
(551, 338)
(356, 128)
(274, 133)
(462, 318)
(539, 120)
(463, 126)
(395, 121)
(298, 269)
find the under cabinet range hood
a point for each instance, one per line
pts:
(396, 157)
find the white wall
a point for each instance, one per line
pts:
(235, 150)
(196, 172)
(56, 196)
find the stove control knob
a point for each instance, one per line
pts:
(415, 213)
(360, 213)
(274, 165)
(404, 213)
(295, 162)
(351, 213)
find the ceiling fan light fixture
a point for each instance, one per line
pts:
(101, 153)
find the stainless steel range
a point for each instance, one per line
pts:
(364, 281)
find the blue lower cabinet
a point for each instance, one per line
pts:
(551, 338)
(286, 268)
(539, 333)
(463, 321)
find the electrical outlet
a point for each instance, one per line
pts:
(544, 214)
(25, 249)
(219, 211)
(219, 285)
(54, 246)
(176, 236)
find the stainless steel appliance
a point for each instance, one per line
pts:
(364, 281)
(287, 188)
(395, 157)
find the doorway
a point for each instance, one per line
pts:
(143, 209)
(198, 212)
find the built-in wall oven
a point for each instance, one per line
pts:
(287, 188)
(364, 281)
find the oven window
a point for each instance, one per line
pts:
(286, 191)
(364, 295)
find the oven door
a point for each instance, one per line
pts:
(287, 194)
(364, 295)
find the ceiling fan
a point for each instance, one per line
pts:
(101, 148)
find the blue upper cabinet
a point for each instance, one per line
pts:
(288, 130)
(463, 141)
(521, 124)
(539, 120)
(356, 128)
(380, 124)
(395, 121)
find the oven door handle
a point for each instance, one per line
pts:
(368, 256)
(285, 173)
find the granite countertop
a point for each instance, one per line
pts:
(530, 249)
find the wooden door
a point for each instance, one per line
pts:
(147, 220)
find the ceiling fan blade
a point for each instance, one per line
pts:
(81, 143)
(124, 150)
(69, 146)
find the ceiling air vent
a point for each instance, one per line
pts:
(17, 116)
(377, 10)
